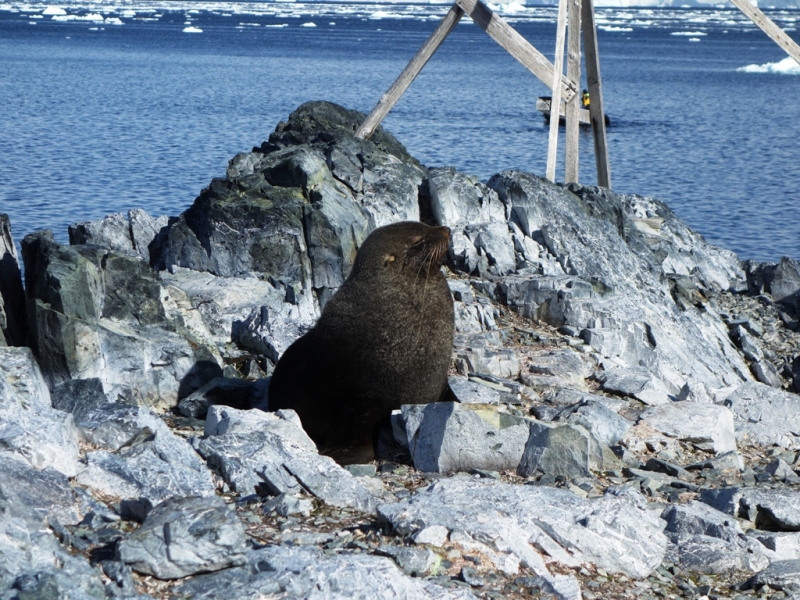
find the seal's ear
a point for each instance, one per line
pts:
(389, 258)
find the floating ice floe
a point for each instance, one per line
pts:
(787, 66)
(54, 10)
(309, 24)
(192, 30)
(689, 33)
(619, 29)
(113, 21)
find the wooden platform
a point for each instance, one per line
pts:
(543, 106)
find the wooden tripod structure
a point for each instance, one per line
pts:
(563, 88)
(580, 14)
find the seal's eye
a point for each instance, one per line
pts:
(389, 258)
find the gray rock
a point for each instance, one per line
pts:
(765, 372)
(773, 509)
(704, 554)
(222, 420)
(13, 319)
(566, 364)
(562, 449)
(231, 307)
(781, 471)
(484, 353)
(299, 209)
(236, 393)
(281, 458)
(154, 466)
(722, 462)
(112, 232)
(79, 397)
(305, 572)
(618, 255)
(707, 426)
(286, 505)
(29, 426)
(781, 575)
(785, 286)
(415, 562)
(766, 416)
(445, 437)
(562, 587)
(603, 423)
(97, 313)
(473, 391)
(184, 536)
(636, 383)
(35, 495)
(615, 532)
(114, 425)
(699, 518)
(779, 545)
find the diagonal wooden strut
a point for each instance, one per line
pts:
(497, 28)
(768, 26)
(400, 85)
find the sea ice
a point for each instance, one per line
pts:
(787, 66)
(192, 30)
(54, 10)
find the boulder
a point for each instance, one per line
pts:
(97, 313)
(707, 426)
(29, 426)
(306, 572)
(273, 455)
(615, 532)
(184, 536)
(765, 415)
(445, 437)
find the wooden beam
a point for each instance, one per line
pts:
(555, 98)
(595, 94)
(768, 26)
(400, 85)
(516, 45)
(572, 161)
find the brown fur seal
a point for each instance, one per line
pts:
(384, 339)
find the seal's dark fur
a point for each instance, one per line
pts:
(383, 340)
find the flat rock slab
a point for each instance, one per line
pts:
(704, 554)
(563, 449)
(36, 495)
(707, 426)
(445, 437)
(606, 425)
(765, 415)
(616, 532)
(305, 572)
(636, 383)
(185, 536)
(29, 426)
(771, 509)
(280, 457)
(155, 465)
(782, 575)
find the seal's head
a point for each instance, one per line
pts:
(412, 249)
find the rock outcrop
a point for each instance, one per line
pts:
(626, 427)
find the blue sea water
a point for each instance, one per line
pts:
(109, 107)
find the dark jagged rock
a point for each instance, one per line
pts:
(96, 313)
(13, 321)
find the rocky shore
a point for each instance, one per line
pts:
(628, 425)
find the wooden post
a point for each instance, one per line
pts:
(572, 161)
(400, 85)
(516, 45)
(555, 98)
(595, 94)
(769, 27)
